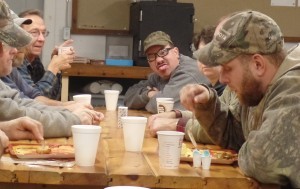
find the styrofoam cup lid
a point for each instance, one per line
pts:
(134, 119)
(111, 91)
(86, 128)
(172, 133)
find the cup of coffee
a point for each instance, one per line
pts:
(164, 104)
(86, 139)
(111, 99)
(83, 98)
(64, 50)
(133, 132)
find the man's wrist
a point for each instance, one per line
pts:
(177, 113)
(150, 92)
(53, 70)
(210, 93)
(181, 124)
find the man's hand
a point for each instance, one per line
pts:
(67, 43)
(193, 94)
(61, 62)
(159, 123)
(4, 141)
(73, 106)
(89, 117)
(23, 128)
(152, 91)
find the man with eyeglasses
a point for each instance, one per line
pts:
(32, 70)
(171, 71)
(26, 118)
(15, 81)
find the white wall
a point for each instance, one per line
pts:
(21, 5)
(56, 19)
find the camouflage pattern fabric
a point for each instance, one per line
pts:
(270, 153)
(157, 38)
(247, 32)
(10, 33)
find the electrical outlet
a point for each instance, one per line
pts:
(67, 33)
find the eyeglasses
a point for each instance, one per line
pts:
(161, 53)
(37, 33)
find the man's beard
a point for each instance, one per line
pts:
(250, 94)
(18, 61)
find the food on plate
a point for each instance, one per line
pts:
(218, 156)
(63, 149)
(185, 151)
(39, 151)
(25, 149)
(43, 150)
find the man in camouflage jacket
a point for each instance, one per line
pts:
(249, 47)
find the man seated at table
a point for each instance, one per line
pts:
(172, 71)
(250, 48)
(32, 70)
(56, 121)
(15, 81)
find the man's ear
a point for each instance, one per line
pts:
(1, 48)
(258, 64)
(176, 50)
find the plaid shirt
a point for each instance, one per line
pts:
(15, 81)
(35, 75)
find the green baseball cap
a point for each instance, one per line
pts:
(157, 38)
(10, 32)
(246, 32)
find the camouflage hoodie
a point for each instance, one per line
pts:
(270, 153)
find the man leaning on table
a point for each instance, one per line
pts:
(15, 80)
(249, 47)
(171, 71)
(22, 127)
(56, 121)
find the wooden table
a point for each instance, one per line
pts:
(114, 166)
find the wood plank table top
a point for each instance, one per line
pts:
(114, 166)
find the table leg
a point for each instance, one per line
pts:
(64, 88)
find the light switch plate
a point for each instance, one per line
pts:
(67, 33)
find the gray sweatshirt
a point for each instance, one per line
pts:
(57, 122)
(186, 73)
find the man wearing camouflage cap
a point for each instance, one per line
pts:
(249, 47)
(171, 71)
(12, 36)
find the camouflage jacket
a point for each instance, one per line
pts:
(270, 153)
(228, 99)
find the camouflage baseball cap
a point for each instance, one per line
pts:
(246, 32)
(11, 33)
(157, 38)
